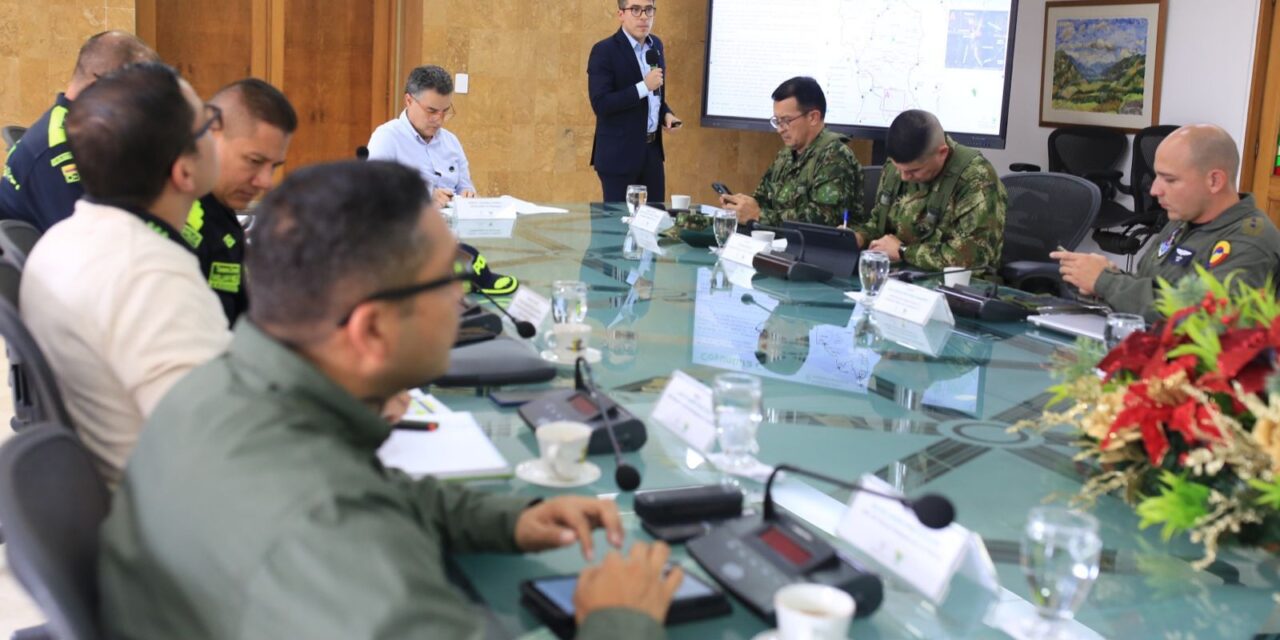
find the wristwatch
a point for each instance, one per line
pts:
(902, 251)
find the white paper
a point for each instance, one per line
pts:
(651, 219)
(740, 275)
(456, 448)
(483, 208)
(929, 338)
(685, 407)
(647, 241)
(913, 303)
(742, 249)
(526, 208)
(424, 407)
(461, 83)
(485, 228)
(925, 558)
(530, 306)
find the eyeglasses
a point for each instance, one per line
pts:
(444, 115)
(637, 10)
(783, 123)
(214, 123)
(460, 274)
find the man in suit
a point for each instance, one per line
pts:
(630, 103)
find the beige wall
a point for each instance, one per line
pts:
(527, 124)
(38, 45)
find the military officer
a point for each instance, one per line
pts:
(1210, 225)
(940, 204)
(815, 178)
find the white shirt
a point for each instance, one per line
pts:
(440, 160)
(122, 313)
(655, 103)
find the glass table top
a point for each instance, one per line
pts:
(841, 398)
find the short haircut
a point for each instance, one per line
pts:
(331, 235)
(913, 134)
(807, 92)
(428, 77)
(623, 4)
(127, 129)
(1211, 147)
(262, 101)
(107, 51)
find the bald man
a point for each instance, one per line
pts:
(1209, 225)
(41, 183)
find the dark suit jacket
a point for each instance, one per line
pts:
(621, 116)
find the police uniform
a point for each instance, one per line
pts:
(215, 234)
(1240, 241)
(956, 219)
(817, 185)
(40, 184)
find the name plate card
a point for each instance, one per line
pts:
(651, 219)
(913, 303)
(685, 408)
(742, 249)
(930, 338)
(648, 241)
(530, 306)
(483, 209)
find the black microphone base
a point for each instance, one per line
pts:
(559, 404)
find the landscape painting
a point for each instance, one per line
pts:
(1102, 63)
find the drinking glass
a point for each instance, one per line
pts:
(568, 301)
(1120, 325)
(637, 195)
(738, 402)
(724, 224)
(1060, 550)
(873, 271)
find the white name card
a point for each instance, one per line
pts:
(651, 219)
(913, 303)
(647, 240)
(930, 338)
(742, 249)
(685, 407)
(530, 306)
(483, 208)
(485, 228)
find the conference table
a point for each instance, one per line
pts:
(843, 399)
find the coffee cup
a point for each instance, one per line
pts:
(562, 446)
(681, 203)
(570, 340)
(808, 611)
(956, 276)
(763, 236)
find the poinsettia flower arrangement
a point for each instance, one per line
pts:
(1183, 420)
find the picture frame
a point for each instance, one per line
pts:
(1102, 63)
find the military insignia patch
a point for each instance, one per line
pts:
(1252, 227)
(70, 173)
(1219, 253)
(1164, 247)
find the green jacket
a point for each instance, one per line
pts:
(1242, 241)
(957, 219)
(816, 185)
(254, 506)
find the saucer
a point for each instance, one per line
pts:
(535, 471)
(592, 356)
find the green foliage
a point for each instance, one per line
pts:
(1269, 493)
(1202, 330)
(1189, 292)
(1180, 504)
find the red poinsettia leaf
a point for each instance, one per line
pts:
(1239, 348)
(1154, 440)
(1204, 419)
(1273, 335)
(1132, 354)
(1253, 379)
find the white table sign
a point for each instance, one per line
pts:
(485, 228)
(483, 208)
(930, 338)
(685, 407)
(651, 219)
(530, 306)
(647, 241)
(913, 303)
(742, 249)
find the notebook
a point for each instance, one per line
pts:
(456, 448)
(1076, 324)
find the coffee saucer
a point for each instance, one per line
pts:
(537, 472)
(591, 355)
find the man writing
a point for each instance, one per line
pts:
(1210, 225)
(940, 204)
(300, 531)
(816, 178)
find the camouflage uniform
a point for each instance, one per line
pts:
(940, 229)
(816, 185)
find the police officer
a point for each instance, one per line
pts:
(40, 184)
(1210, 225)
(816, 178)
(940, 204)
(258, 122)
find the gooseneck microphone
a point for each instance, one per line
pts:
(523, 327)
(932, 510)
(626, 476)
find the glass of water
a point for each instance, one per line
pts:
(1060, 551)
(1120, 325)
(637, 195)
(873, 271)
(569, 301)
(724, 224)
(739, 407)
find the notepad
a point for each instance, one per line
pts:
(455, 449)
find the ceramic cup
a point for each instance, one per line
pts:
(562, 446)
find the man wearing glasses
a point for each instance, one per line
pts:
(419, 140)
(113, 294)
(815, 178)
(625, 82)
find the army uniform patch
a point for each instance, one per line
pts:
(1219, 253)
(70, 173)
(1252, 227)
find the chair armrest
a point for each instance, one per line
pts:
(1024, 166)
(1018, 271)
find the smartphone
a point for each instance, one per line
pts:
(677, 124)
(720, 188)
(551, 599)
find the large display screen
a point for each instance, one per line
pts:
(873, 58)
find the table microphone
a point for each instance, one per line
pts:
(362, 153)
(626, 476)
(932, 510)
(523, 327)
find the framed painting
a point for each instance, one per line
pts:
(1102, 63)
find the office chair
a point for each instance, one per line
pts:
(870, 184)
(11, 134)
(1045, 210)
(52, 502)
(36, 398)
(1137, 225)
(16, 241)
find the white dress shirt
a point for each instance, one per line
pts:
(440, 160)
(655, 102)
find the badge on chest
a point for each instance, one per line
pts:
(1181, 256)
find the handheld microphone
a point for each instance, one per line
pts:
(523, 327)
(651, 57)
(626, 476)
(362, 153)
(932, 510)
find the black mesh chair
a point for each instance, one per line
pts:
(870, 183)
(16, 241)
(36, 398)
(1093, 153)
(1046, 210)
(52, 502)
(1134, 227)
(11, 134)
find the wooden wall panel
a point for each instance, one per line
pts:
(527, 124)
(210, 43)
